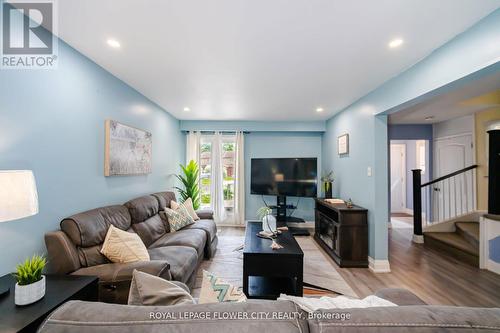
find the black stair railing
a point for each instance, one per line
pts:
(443, 198)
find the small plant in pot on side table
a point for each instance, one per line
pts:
(30, 286)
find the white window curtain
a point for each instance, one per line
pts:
(217, 187)
(193, 147)
(239, 186)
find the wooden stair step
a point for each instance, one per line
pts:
(453, 244)
(470, 231)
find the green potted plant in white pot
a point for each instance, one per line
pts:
(30, 286)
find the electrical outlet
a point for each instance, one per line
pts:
(369, 171)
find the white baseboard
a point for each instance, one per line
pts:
(379, 266)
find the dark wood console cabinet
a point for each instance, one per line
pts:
(342, 232)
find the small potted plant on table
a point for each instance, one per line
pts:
(30, 286)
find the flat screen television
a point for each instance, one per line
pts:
(294, 177)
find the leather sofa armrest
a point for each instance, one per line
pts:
(62, 253)
(116, 272)
(400, 296)
(205, 214)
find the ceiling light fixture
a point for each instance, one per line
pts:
(319, 110)
(429, 118)
(396, 43)
(114, 43)
(186, 109)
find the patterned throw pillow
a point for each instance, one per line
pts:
(216, 290)
(178, 218)
(189, 206)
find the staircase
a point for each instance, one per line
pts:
(462, 244)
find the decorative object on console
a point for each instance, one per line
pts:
(349, 203)
(265, 214)
(327, 184)
(30, 286)
(123, 247)
(216, 290)
(343, 144)
(18, 199)
(128, 150)
(189, 180)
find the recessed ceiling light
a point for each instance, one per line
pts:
(396, 43)
(114, 43)
(186, 109)
(429, 118)
(319, 110)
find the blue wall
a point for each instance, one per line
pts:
(367, 148)
(410, 132)
(52, 122)
(280, 144)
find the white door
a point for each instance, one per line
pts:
(398, 178)
(453, 196)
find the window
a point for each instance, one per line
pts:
(205, 172)
(228, 164)
(420, 158)
(227, 158)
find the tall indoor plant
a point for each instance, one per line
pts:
(189, 179)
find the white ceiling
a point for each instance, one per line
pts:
(261, 59)
(450, 105)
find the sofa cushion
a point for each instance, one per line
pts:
(145, 219)
(164, 198)
(194, 238)
(206, 225)
(182, 259)
(89, 228)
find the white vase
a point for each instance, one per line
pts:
(269, 223)
(30, 293)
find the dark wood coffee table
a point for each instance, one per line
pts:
(267, 273)
(59, 289)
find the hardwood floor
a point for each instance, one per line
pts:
(435, 277)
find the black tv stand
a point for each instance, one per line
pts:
(283, 219)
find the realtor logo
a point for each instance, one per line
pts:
(28, 35)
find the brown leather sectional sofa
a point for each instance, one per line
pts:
(75, 249)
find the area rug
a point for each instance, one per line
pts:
(320, 275)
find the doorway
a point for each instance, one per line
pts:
(398, 178)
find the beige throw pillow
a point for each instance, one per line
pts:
(147, 289)
(122, 246)
(216, 290)
(189, 207)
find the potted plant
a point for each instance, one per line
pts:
(327, 184)
(189, 178)
(265, 214)
(30, 286)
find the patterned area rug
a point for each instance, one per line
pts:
(320, 275)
